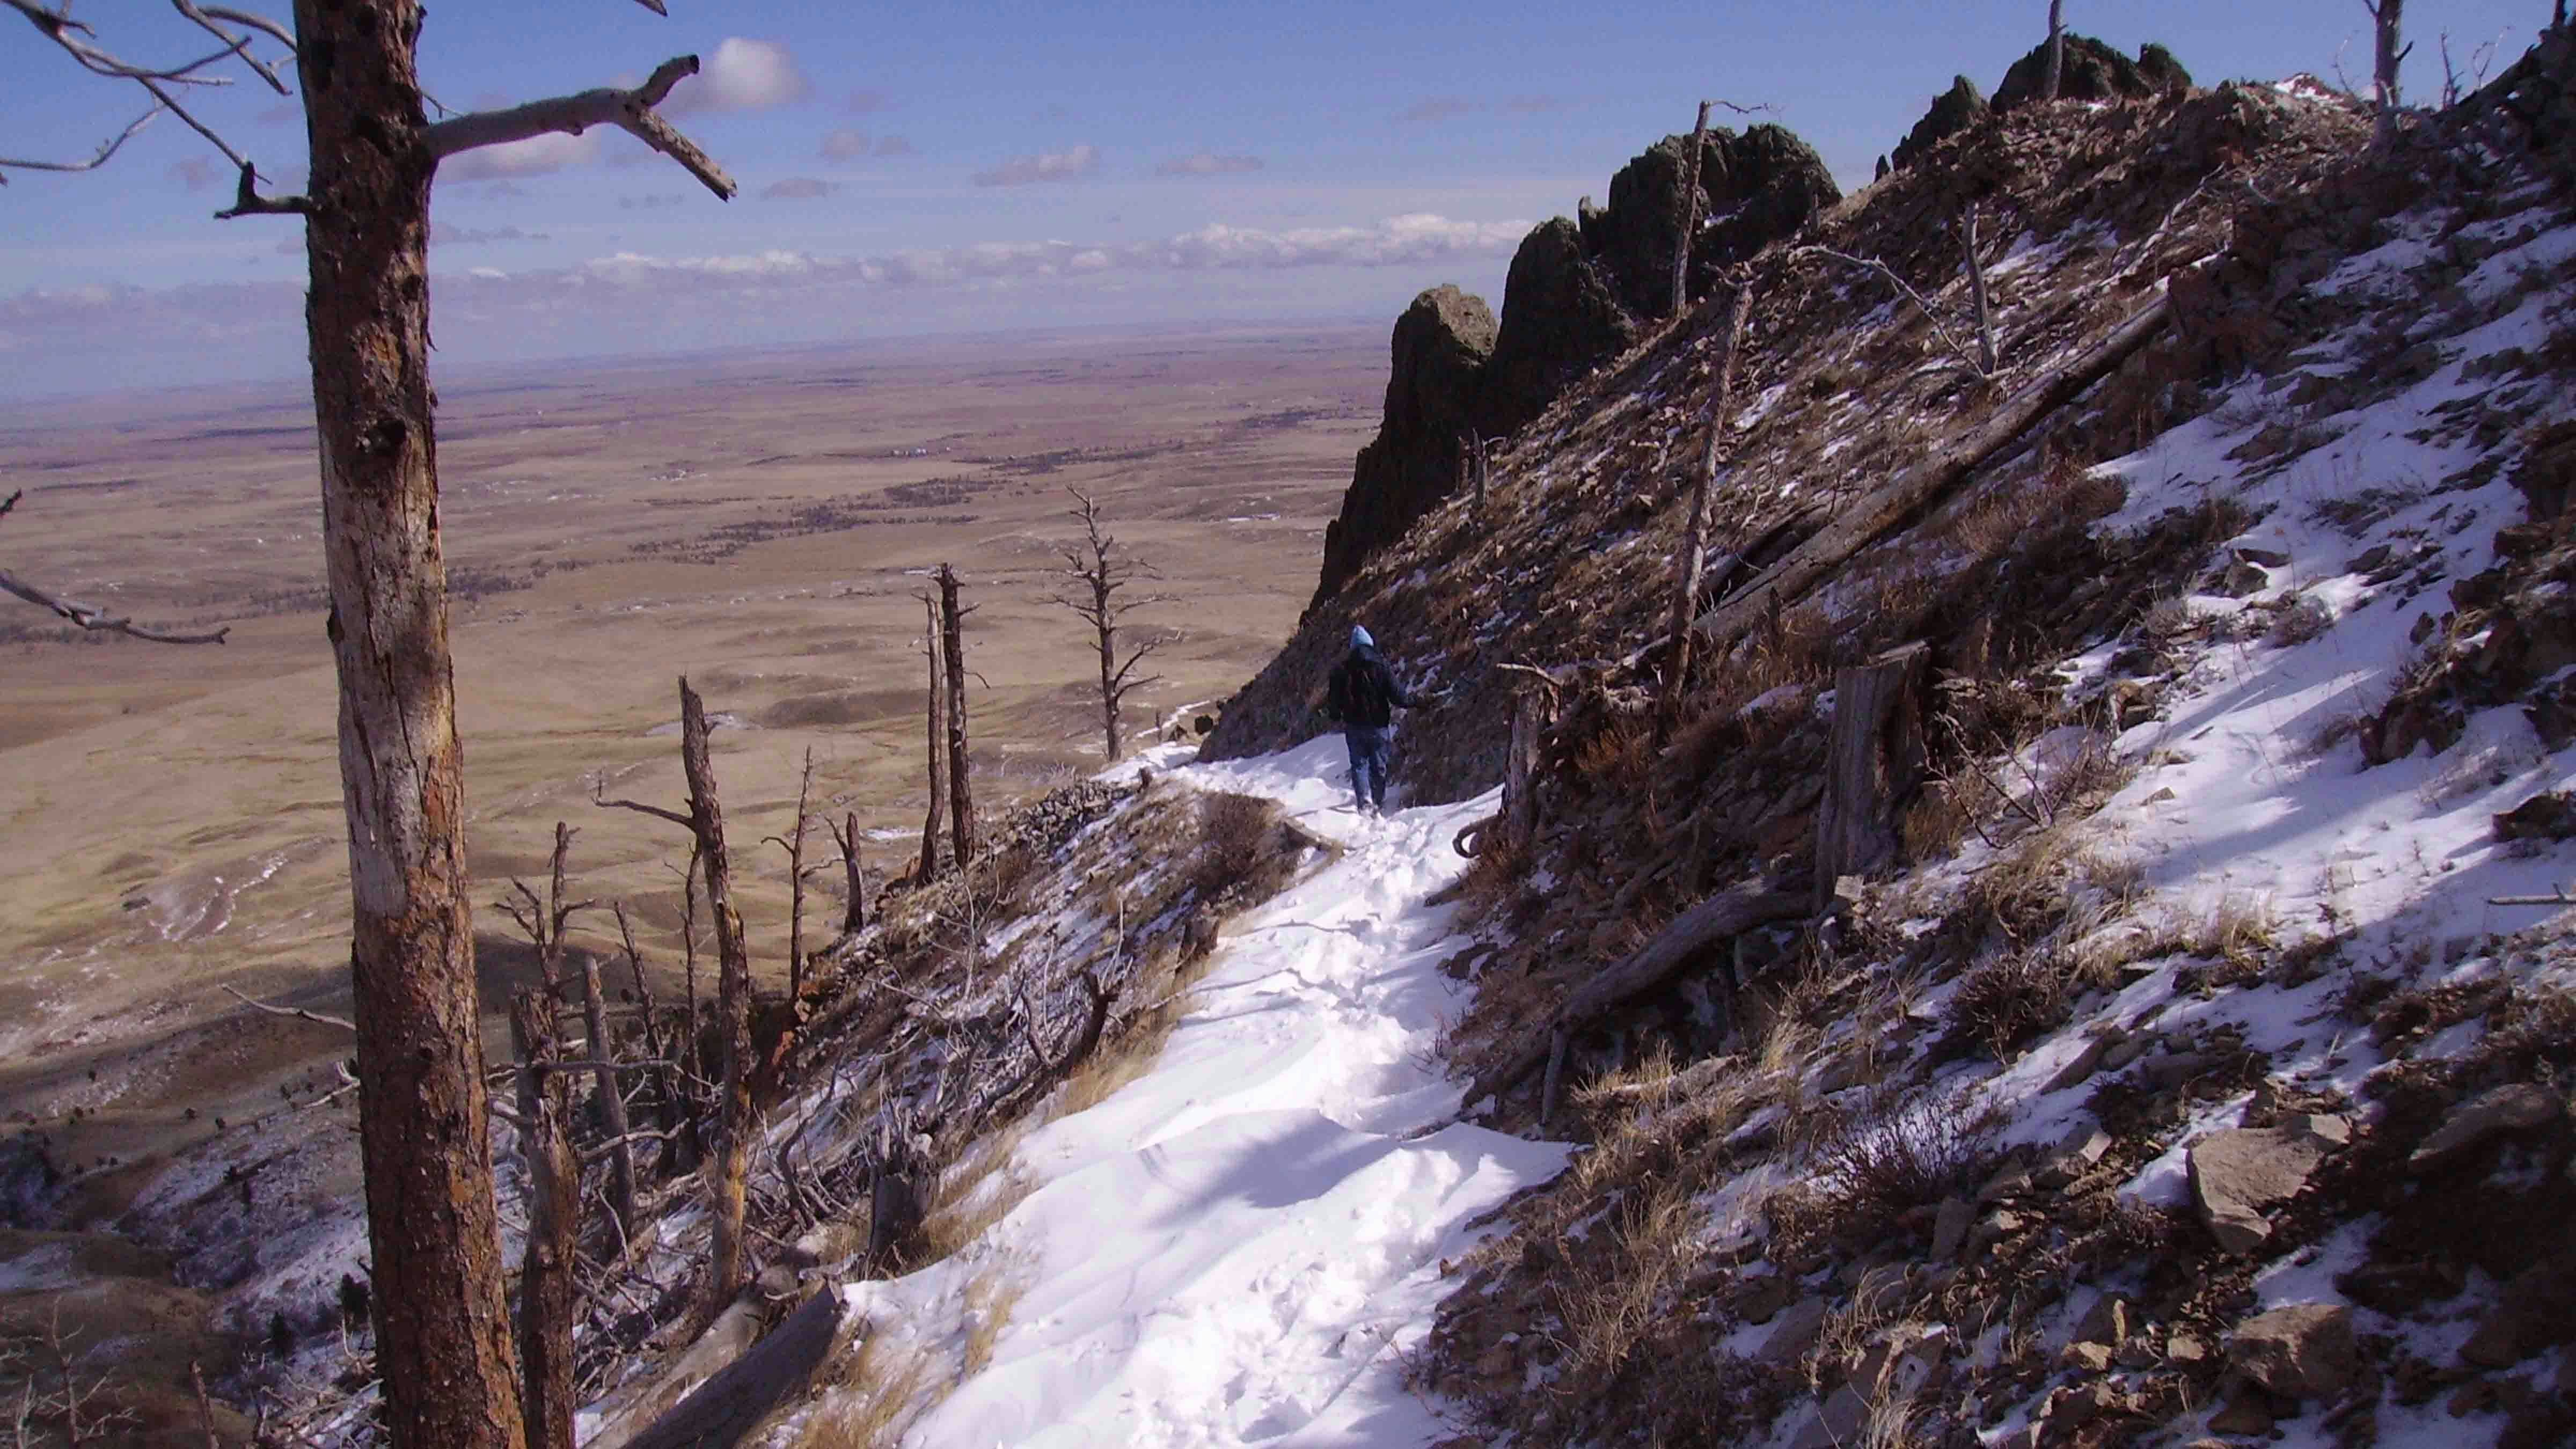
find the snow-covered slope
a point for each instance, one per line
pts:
(1239, 1246)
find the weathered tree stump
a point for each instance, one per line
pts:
(727, 1407)
(1873, 764)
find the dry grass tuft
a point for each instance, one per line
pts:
(975, 1193)
(2011, 999)
(879, 1393)
(995, 1290)
(2240, 933)
(1609, 1302)
(1238, 846)
(1913, 1155)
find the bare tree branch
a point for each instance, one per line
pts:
(299, 1013)
(94, 162)
(248, 202)
(1929, 315)
(92, 617)
(656, 811)
(205, 17)
(630, 111)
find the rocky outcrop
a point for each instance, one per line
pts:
(1561, 318)
(2093, 72)
(1953, 111)
(1440, 351)
(1579, 293)
(1755, 187)
(2305, 1351)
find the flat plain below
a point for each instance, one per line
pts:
(170, 818)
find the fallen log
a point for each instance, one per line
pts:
(1730, 913)
(727, 1407)
(1879, 512)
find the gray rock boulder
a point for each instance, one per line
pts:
(2236, 1174)
(2305, 1351)
(2093, 72)
(2513, 1107)
(1953, 111)
(1439, 353)
(1755, 187)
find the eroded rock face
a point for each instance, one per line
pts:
(1440, 350)
(1953, 111)
(1561, 318)
(2093, 72)
(1755, 188)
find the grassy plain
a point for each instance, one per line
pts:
(170, 817)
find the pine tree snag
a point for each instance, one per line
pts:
(1688, 228)
(1873, 763)
(1693, 561)
(659, 1097)
(1977, 294)
(793, 843)
(2053, 79)
(548, 1295)
(1478, 465)
(952, 648)
(935, 751)
(443, 1335)
(2387, 55)
(609, 1102)
(854, 902)
(1533, 709)
(1096, 573)
(734, 1112)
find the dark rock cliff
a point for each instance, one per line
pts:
(1439, 354)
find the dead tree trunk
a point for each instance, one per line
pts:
(1872, 516)
(2388, 55)
(723, 1411)
(1477, 465)
(1694, 554)
(663, 1102)
(952, 647)
(1977, 295)
(2053, 80)
(854, 906)
(1532, 710)
(1689, 219)
(609, 1100)
(935, 711)
(794, 844)
(1096, 572)
(434, 1237)
(734, 1112)
(1873, 762)
(548, 1295)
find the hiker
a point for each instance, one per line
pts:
(1361, 695)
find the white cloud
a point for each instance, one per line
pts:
(441, 234)
(742, 75)
(1439, 108)
(1081, 161)
(865, 103)
(796, 188)
(195, 173)
(845, 145)
(534, 156)
(1207, 164)
(893, 146)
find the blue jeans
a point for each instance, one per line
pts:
(1370, 748)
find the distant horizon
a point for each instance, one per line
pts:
(919, 169)
(487, 374)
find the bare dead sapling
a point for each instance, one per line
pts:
(1096, 573)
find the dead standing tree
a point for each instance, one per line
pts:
(1694, 552)
(2053, 79)
(952, 648)
(730, 1176)
(544, 924)
(548, 1296)
(2387, 55)
(1096, 573)
(442, 1332)
(793, 843)
(854, 905)
(935, 750)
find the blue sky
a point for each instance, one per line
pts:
(914, 168)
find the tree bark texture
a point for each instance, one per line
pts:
(1104, 628)
(443, 1334)
(1986, 362)
(734, 1125)
(1694, 553)
(2388, 54)
(1926, 482)
(1873, 762)
(1531, 712)
(952, 645)
(936, 749)
(1689, 219)
(548, 1296)
(854, 905)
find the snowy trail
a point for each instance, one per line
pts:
(1235, 1248)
